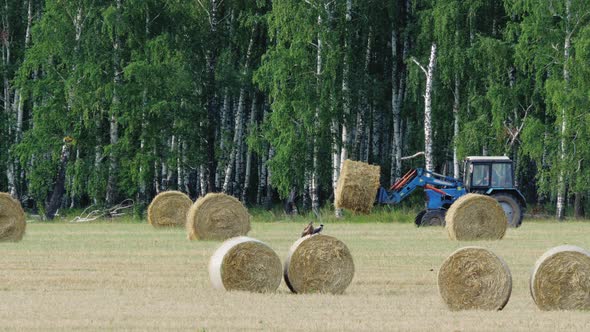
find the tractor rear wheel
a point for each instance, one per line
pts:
(433, 218)
(418, 219)
(511, 208)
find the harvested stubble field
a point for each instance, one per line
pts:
(125, 276)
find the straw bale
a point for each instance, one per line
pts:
(476, 217)
(474, 278)
(561, 279)
(217, 217)
(169, 208)
(12, 219)
(357, 186)
(245, 264)
(318, 264)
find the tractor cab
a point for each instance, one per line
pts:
(494, 176)
(484, 173)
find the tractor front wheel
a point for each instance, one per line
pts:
(434, 218)
(511, 208)
(418, 219)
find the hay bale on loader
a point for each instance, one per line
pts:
(560, 279)
(217, 217)
(474, 278)
(357, 186)
(245, 264)
(318, 264)
(12, 219)
(476, 217)
(169, 208)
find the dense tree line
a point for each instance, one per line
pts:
(106, 100)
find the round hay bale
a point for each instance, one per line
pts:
(561, 279)
(246, 264)
(476, 217)
(12, 219)
(357, 186)
(217, 217)
(168, 208)
(318, 264)
(474, 278)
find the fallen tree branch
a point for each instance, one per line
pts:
(116, 211)
(421, 153)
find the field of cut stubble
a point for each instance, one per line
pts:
(125, 276)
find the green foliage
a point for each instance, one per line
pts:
(505, 61)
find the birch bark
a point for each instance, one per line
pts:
(239, 128)
(429, 73)
(561, 186)
(314, 185)
(111, 196)
(456, 127)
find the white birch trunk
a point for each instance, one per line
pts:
(73, 194)
(142, 182)
(397, 93)
(163, 174)
(185, 172)
(306, 198)
(263, 168)
(396, 111)
(172, 153)
(97, 161)
(198, 183)
(238, 133)
(428, 110)
(179, 166)
(6, 49)
(456, 127)
(203, 179)
(114, 123)
(314, 185)
(366, 148)
(239, 126)
(157, 173)
(18, 98)
(239, 170)
(346, 98)
(335, 161)
(560, 213)
(248, 171)
(18, 103)
(268, 196)
(363, 112)
(211, 94)
(144, 104)
(262, 179)
(225, 132)
(375, 136)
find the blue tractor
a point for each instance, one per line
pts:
(492, 176)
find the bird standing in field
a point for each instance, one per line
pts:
(319, 229)
(309, 229)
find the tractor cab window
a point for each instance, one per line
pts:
(481, 175)
(502, 175)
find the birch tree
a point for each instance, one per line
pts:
(429, 74)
